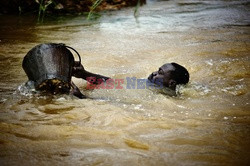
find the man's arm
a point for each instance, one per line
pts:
(80, 72)
(76, 92)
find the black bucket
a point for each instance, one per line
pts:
(50, 67)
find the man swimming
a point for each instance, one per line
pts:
(167, 77)
(50, 67)
(170, 75)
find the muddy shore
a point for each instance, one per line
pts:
(62, 6)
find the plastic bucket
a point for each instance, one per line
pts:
(49, 66)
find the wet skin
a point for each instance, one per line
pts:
(164, 76)
(80, 72)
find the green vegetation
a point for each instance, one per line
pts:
(74, 7)
(98, 2)
(43, 5)
(136, 12)
(93, 7)
(62, 7)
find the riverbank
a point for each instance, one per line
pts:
(62, 6)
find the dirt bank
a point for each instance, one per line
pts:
(61, 6)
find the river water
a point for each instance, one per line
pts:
(207, 124)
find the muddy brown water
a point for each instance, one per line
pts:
(207, 124)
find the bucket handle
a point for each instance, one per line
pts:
(75, 52)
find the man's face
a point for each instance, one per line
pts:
(164, 76)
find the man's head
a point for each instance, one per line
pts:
(169, 75)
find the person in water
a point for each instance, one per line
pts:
(170, 75)
(46, 65)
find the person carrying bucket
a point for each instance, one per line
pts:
(51, 66)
